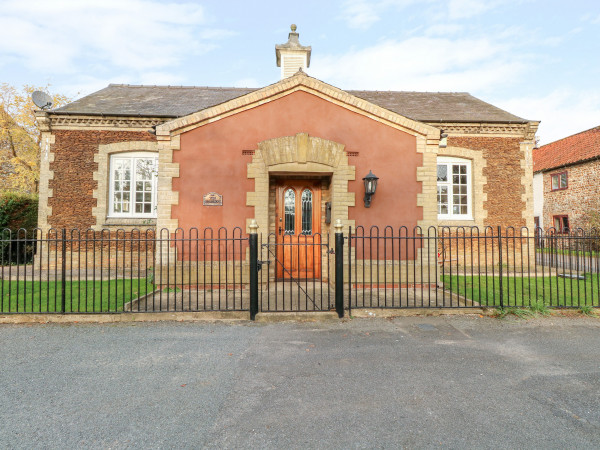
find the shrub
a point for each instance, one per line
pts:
(17, 211)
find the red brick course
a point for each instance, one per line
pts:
(73, 184)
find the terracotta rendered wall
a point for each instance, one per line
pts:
(581, 196)
(504, 186)
(211, 160)
(73, 166)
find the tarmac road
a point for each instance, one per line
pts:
(412, 382)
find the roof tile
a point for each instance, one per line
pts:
(570, 150)
(178, 101)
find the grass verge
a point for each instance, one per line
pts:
(538, 293)
(90, 296)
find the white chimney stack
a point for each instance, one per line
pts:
(292, 56)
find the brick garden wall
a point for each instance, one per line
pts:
(73, 167)
(581, 195)
(504, 174)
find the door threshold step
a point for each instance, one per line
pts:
(317, 316)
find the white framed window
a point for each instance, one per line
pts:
(454, 188)
(133, 180)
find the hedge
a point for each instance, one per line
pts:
(18, 211)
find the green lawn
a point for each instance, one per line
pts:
(91, 296)
(523, 291)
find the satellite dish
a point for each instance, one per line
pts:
(41, 99)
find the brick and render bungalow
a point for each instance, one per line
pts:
(567, 181)
(291, 156)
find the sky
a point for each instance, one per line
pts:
(538, 59)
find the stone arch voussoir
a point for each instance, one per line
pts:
(300, 154)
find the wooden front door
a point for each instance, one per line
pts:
(298, 228)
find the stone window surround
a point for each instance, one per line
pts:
(478, 197)
(102, 176)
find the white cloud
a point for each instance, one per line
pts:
(444, 29)
(360, 13)
(424, 64)
(59, 36)
(464, 9)
(563, 112)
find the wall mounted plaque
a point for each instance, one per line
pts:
(212, 199)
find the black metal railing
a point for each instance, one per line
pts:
(460, 267)
(73, 271)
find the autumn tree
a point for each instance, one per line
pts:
(20, 137)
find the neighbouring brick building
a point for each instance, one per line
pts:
(291, 155)
(567, 181)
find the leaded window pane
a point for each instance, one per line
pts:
(442, 172)
(144, 169)
(442, 198)
(307, 212)
(289, 205)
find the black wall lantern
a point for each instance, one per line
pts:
(370, 187)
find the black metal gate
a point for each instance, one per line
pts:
(282, 288)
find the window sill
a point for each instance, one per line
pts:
(129, 222)
(462, 222)
(455, 218)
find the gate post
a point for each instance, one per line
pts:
(253, 241)
(63, 275)
(500, 266)
(339, 268)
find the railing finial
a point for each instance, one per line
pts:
(253, 226)
(338, 226)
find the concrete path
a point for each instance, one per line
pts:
(286, 296)
(412, 382)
